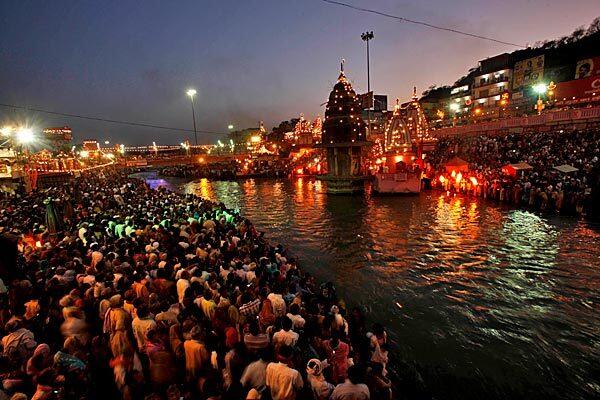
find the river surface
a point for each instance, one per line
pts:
(482, 301)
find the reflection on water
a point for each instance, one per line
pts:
(483, 301)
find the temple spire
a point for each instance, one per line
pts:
(342, 76)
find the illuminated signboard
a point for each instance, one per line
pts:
(61, 133)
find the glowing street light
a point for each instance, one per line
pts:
(192, 93)
(230, 127)
(540, 88)
(25, 135)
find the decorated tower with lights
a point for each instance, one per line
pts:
(399, 161)
(343, 137)
(397, 133)
(416, 121)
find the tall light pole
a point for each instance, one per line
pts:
(192, 93)
(366, 37)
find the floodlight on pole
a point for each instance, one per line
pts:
(540, 88)
(367, 37)
(192, 93)
(25, 135)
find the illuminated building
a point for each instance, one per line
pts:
(343, 137)
(492, 81)
(58, 137)
(90, 145)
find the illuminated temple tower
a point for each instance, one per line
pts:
(343, 137)
(397, 133)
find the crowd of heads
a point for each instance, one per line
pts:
(116, 289)
(542, 186)
(277, 168)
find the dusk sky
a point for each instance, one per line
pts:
(249, 60)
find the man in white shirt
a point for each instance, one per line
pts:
(141, 325)
(352, 389)
(283, 382)
(294, 315)
(286, 336)
(278, 304)
(255, 374)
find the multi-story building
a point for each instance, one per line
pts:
(459, 102)
(491, 87)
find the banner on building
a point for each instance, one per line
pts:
(578, 88)
(587, 67)
(366, 100)
(527, 72)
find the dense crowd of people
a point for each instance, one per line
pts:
(541, 186)
(111, 289)
(229, 170)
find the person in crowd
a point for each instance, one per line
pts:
(286, 336)
(283, 381)
(254, 339)
(353, 388)
(337, 356)
(321, 389)
(380, 387)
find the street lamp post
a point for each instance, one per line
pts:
(540, 89)
(366, 37)
(192, 93)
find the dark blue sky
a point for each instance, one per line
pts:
(249, 60)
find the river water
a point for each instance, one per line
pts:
(481, 301)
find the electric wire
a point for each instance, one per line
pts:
(413, 21)
(108, 120)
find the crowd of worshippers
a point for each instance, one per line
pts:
(121, 291)
(540, 187)
(277, 168)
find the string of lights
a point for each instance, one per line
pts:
(412, 21)
(111, 121)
